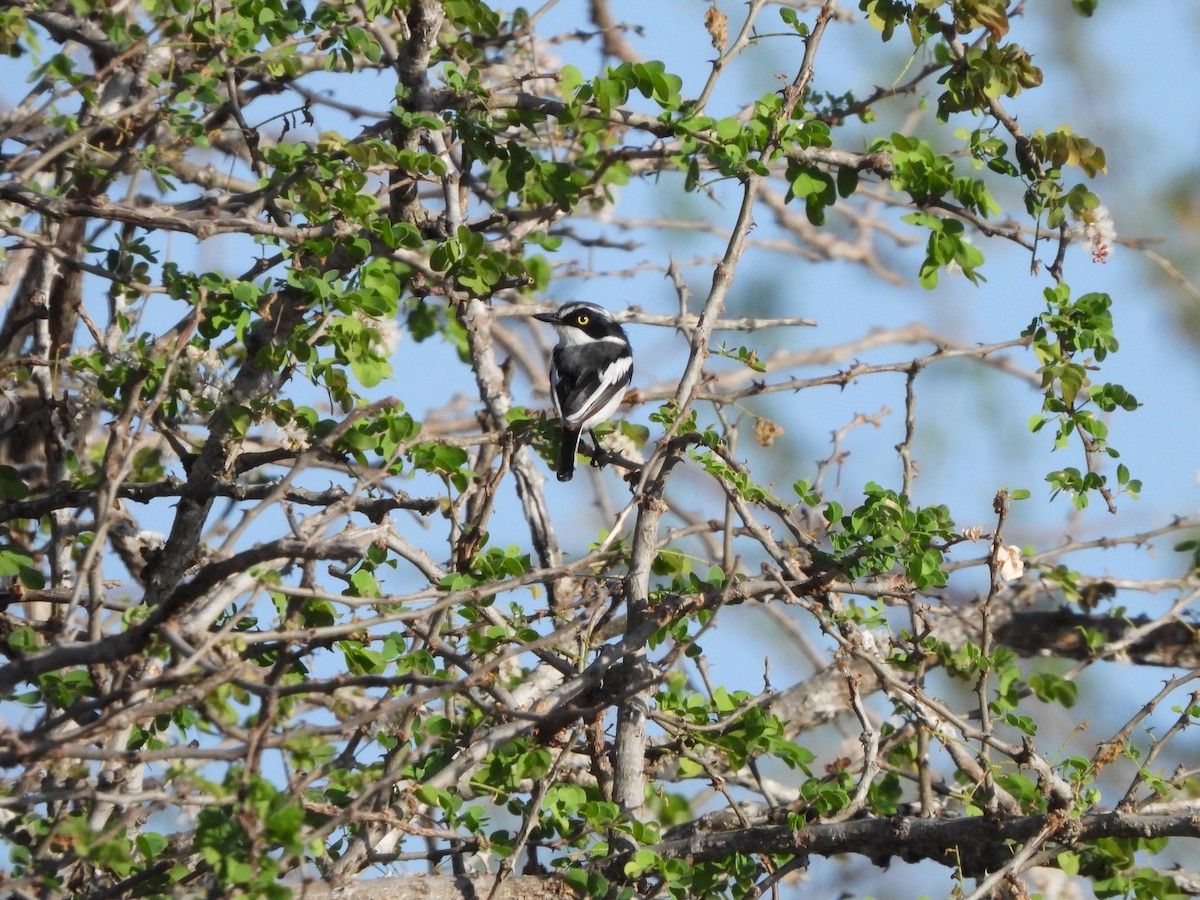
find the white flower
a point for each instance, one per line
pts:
(1053, 883)
(389, 334)
(1009, 563)
(201, 358)
(212, 393)
(385, 332)
(1098, 232)
(203, 369)
(293, 436)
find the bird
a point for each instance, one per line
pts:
(589, 370)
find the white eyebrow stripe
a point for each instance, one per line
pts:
(577, 307)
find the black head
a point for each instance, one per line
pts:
(594, 321)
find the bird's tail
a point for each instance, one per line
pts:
(567, 453)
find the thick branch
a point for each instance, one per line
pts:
(977, 844)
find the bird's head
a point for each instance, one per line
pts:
(577, 322)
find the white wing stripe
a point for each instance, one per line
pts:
(602, 399)
(554, 390)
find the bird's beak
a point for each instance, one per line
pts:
(551, 317)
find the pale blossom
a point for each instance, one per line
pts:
(205, 373)
(1009, 563)
(1098, 232)
(765, 431)
(622, 445)
(389, 334)
(293, 436)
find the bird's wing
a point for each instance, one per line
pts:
(586, 379)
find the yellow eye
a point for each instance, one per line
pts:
(581, 319)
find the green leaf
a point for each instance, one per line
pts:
(806, 182)
(361, 660)
(12, 562)
(364, 584)
(572, 80)
(239, 419)
(1051, 688)
(151, 845)
(643, 862)
(24, 639)
(370, 370)
(847, 181)
(12, 486)
(32, 578)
